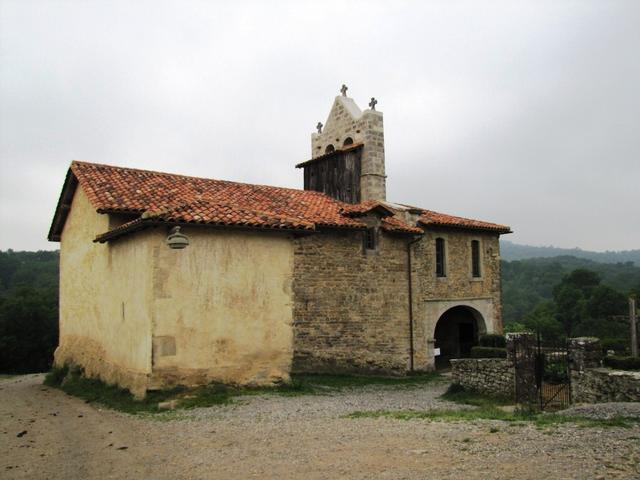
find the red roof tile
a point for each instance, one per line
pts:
(360, 209)
(168, 198)
(429, 217)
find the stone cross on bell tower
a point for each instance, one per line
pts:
(349, 129)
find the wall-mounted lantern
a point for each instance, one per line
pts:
(177, 240)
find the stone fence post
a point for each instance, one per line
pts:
(585, 352)
(521, 338)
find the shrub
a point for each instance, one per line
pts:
(622, 363)
(488, 352)
(555, 372)
(493, 340)
(618, 345)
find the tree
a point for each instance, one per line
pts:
(543, 320)
(28, 331)
(584, 280)
(570, 306)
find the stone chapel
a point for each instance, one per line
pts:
(167, 279)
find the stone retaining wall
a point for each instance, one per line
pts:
(493, 376)
(596, 385)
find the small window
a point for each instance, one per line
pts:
(475, 258)
(348, 141)
(370, 238)
(330, 149)
(440, 258)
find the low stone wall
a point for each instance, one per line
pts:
(595, 385)
(493, 376)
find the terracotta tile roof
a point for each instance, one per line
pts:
(177, 199)
(360, 209)
(169, 198)
(429, 217)
(394, 224)
(203, 212)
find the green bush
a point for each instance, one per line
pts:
(488, 352)
(618, 345)
(493, 340)
(622, 363)
(555, 372)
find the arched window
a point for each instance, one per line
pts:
(441, 270)
(475, 258)
(330, 148)
(347, 141)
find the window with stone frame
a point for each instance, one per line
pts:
(441, 270)
(476, 270)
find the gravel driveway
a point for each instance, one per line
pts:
(45, 434)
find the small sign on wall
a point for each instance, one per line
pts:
(436, 352)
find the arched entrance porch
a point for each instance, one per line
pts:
(457, 330)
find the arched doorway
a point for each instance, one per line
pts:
(456, 332)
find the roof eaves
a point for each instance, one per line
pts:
(141, 223)
(62, 208)
(348, 148)
(501, 229)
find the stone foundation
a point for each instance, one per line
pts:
(492, 376)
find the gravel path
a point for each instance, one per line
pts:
(304, 437)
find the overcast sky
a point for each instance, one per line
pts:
(521, 113)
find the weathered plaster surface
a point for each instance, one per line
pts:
(222, 308)
(105, 295)
(136, 313)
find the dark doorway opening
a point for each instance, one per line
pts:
(456, 332)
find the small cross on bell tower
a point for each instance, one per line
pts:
(372, 103)
(343, 90)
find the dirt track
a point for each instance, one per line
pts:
(290, 438)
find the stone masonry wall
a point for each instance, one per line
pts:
(492, 376)
(592, 384)
(434, 295)
(350, 305)
(595, 385)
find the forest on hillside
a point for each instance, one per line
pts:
(512, 251)
(28, 310)
(560, 296)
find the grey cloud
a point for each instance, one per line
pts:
(523, 113)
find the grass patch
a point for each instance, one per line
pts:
(556, 419)
(73, 382)
(5, 376)
(482, 413)
(489, 408)
(111, 396)
(488, 413)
